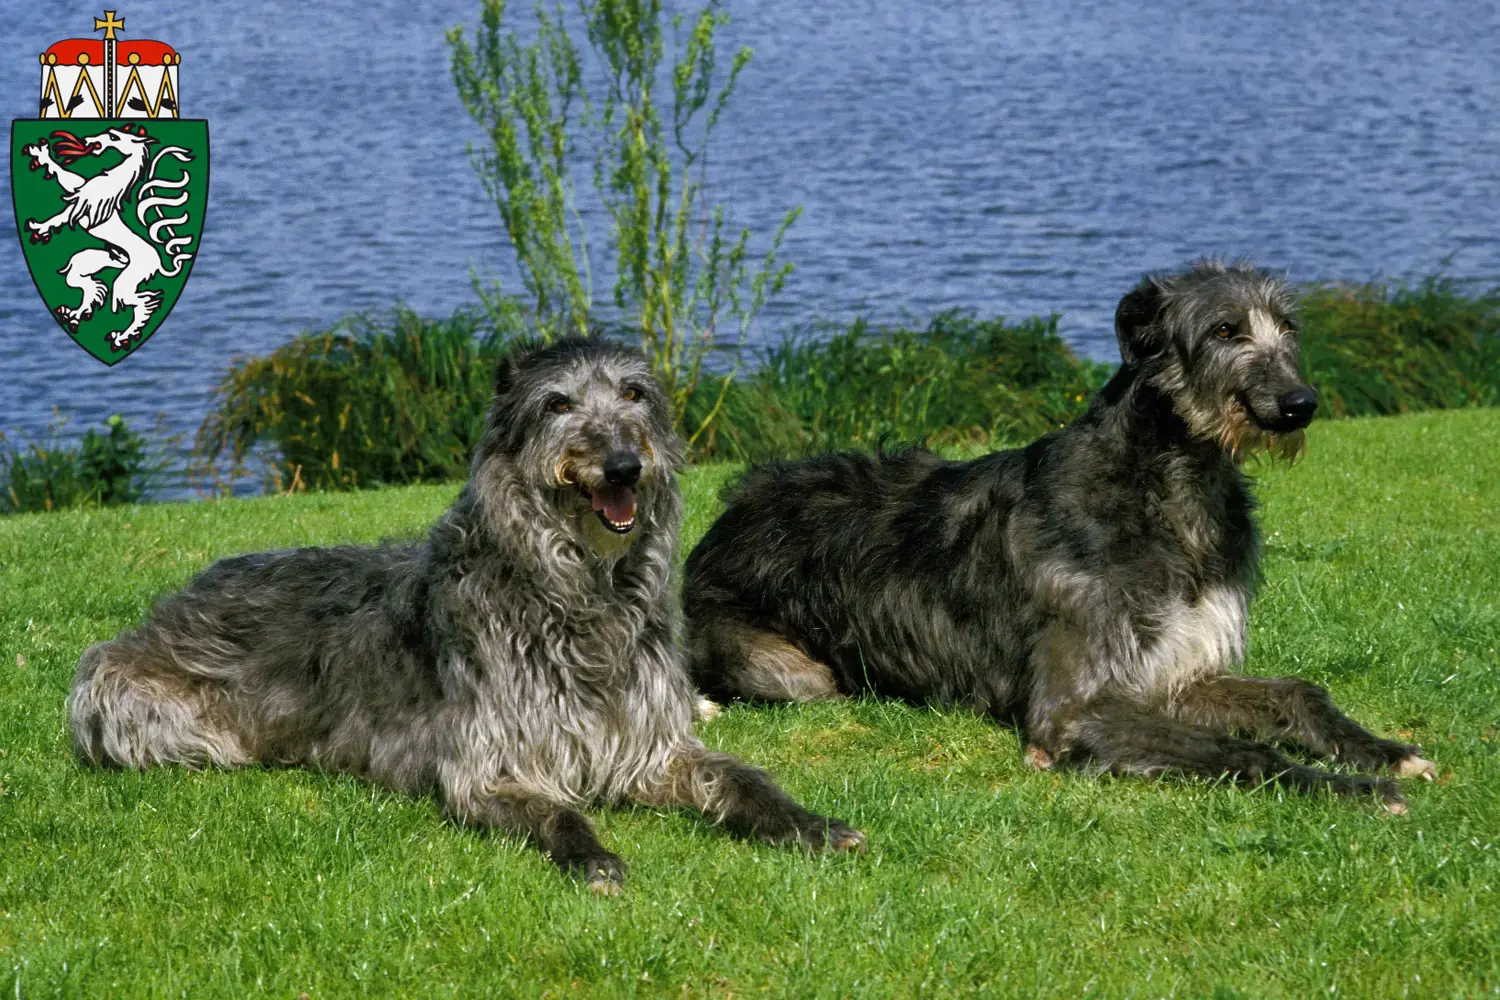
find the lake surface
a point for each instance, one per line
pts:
(1012, 158)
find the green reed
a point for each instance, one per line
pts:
(372, 401)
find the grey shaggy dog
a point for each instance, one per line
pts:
(520, 662)
(1092, 587)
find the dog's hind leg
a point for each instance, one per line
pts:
(745, 800)
(128, 708)
(564, 834)
(1128, 738)
(1293, 709)
(728, 658)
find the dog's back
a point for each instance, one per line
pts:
(879, 571)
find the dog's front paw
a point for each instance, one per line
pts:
(1038, 759)
(603, 873)
(842, 837)
(1413, 766)
(818, 833)
(1365, 785)
(1385, 789)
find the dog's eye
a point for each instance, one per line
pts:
(1224, 331)
(559, 404)
(631, 394)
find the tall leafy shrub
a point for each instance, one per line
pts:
(685, 284)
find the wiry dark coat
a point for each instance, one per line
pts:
(1091, 587)
(520, 662)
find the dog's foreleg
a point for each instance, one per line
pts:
(746, 801)
(1293, 709)
(564, 834)
(1131, 739)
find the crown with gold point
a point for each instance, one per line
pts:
(110, 77)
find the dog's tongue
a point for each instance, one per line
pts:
(617, 502)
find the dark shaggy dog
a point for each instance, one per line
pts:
(517, 664)
(1091, 587)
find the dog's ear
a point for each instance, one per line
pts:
(505, 375)
(1136, 322)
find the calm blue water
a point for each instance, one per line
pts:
(1014, 158)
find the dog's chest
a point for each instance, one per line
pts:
(1183, 641)
(577, 723)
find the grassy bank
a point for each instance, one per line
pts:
(983, 877)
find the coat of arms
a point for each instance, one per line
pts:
(110, 186)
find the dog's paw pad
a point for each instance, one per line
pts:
(602, 884)
(1415, 767)
(1396, 806)
(1038, 759)
(843, 838)
(708, 709)
(604, 874)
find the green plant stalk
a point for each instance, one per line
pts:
(522, 97)
(673, 289)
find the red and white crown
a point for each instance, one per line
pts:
(110, 78)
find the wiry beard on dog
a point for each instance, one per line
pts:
(1229, 424)
(607, 517)
(1241, 439)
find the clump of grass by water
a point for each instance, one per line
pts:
(117, 466)
(401, 399)
(372, 401)
(1374, 349)
(959, 380)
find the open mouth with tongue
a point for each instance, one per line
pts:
(615, 506)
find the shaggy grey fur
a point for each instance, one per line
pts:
(1092, 587)
(519, 663)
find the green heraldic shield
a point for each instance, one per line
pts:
(110, 189)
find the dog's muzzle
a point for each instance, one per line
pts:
(614, 502)
(1295, 410)
(1290, 411)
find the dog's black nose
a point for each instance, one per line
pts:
(623, 468)
(1297, 408)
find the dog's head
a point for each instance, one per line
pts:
(585, 423)
(1220, 341)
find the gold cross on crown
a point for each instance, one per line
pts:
(109, 24)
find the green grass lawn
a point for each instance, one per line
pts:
(1381, 574)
